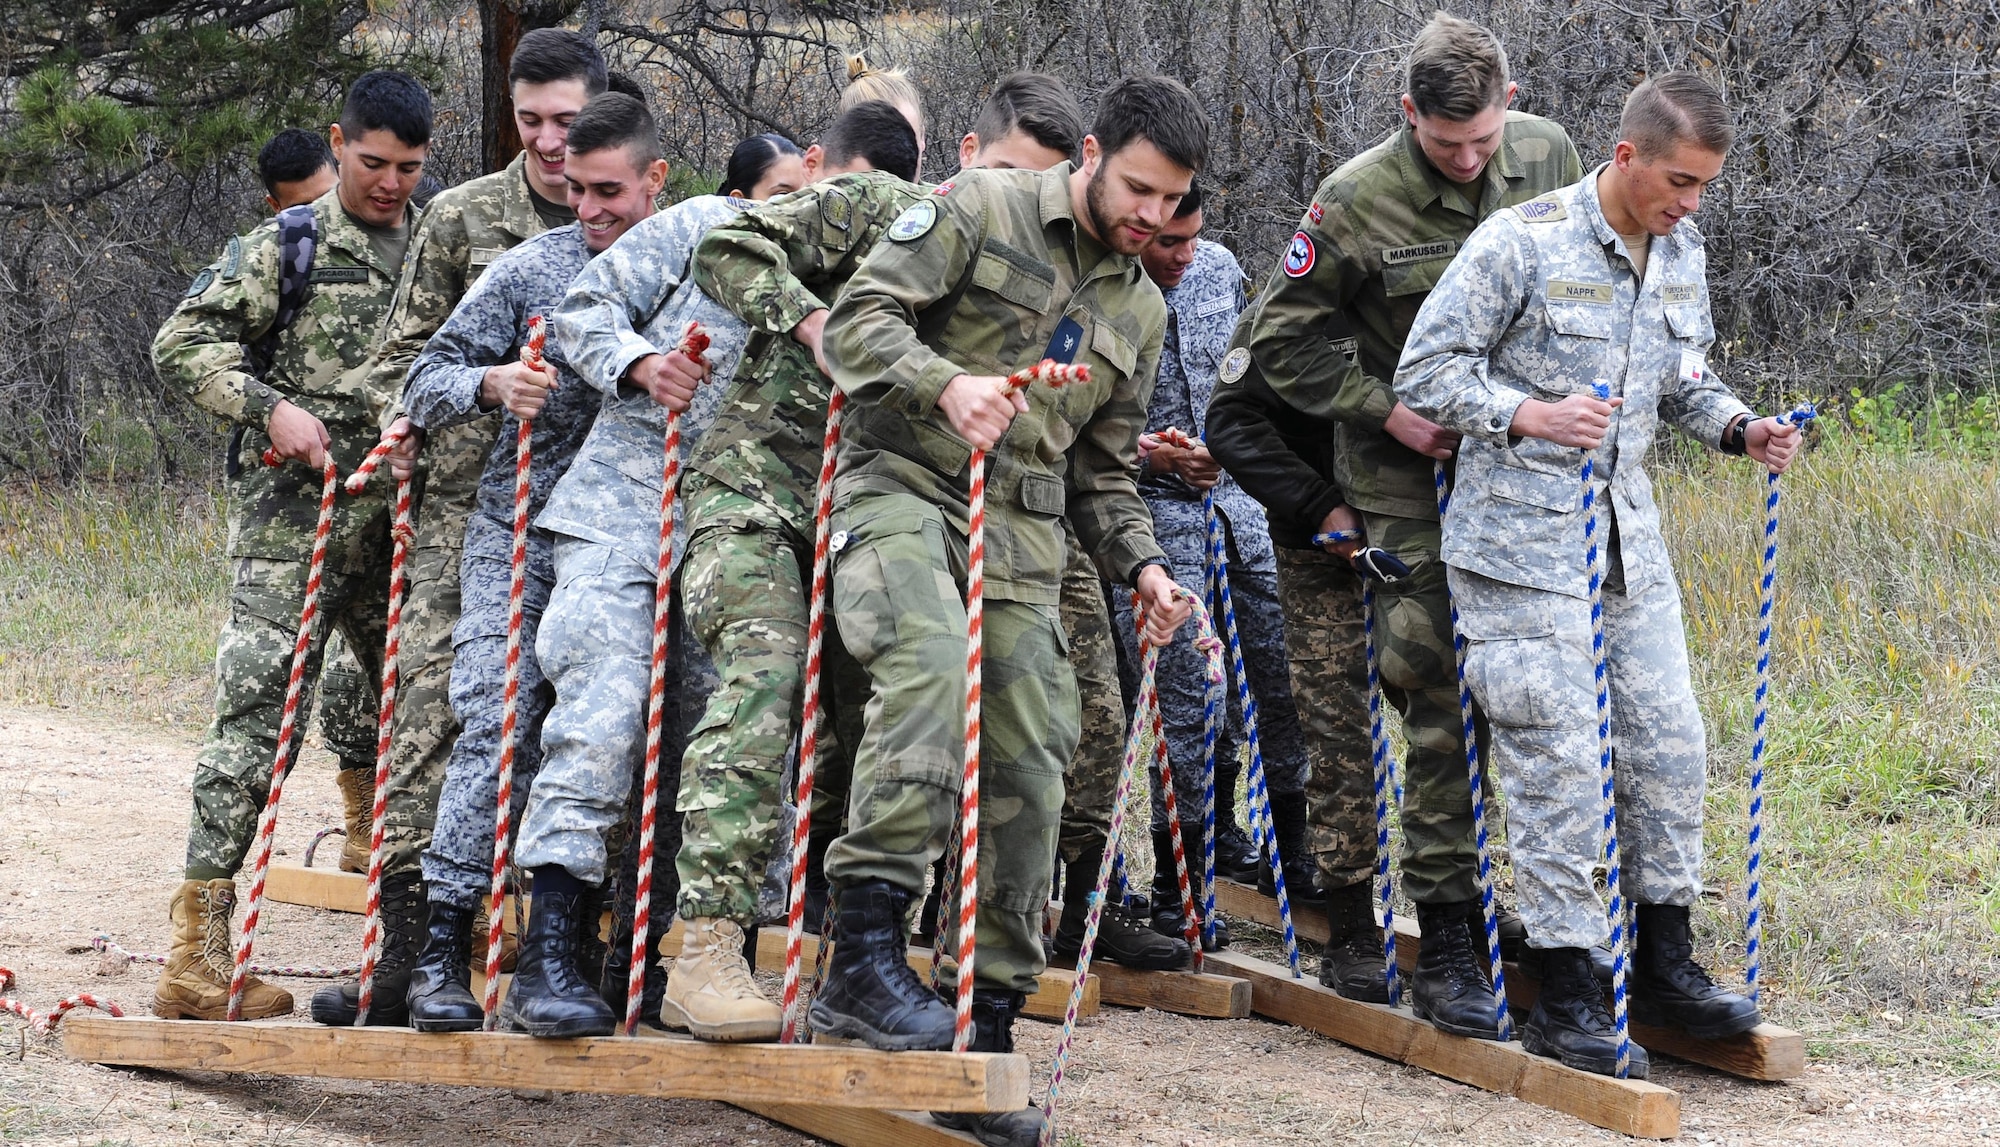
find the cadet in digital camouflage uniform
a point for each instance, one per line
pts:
(1203, 287)
(464, 230)
(312, 399)
(991, 273)
(1602, 281)
(750, 503)
(1307, 421)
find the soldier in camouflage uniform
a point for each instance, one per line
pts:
(990, 274)
(470, 365)
(464, 230)
(1203, 287)
(311, 401)
(1315, 355)
(1600, 282)
(750, 550)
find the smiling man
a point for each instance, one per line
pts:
(464, 230)
(308, 398)
(1604, 281)
(995, 271)
(472, 366)
(1305, 419)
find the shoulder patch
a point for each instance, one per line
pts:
(1419, 252)
(202, 282)
(1235, 364)
(1564, 290)
(232, 258)
(1349, 346)
(944, 188)
(1300, 256)
(915, 222)
(1679, 293)
(1315, 213)
(340, 275)
(836, 209)
(1542, 209)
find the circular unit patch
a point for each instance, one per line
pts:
(915, 222)
(1235, 364)
(1299, 256)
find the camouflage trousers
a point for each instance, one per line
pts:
(1091, 780)
(1321, 595)
(348, 713)
(1182, 677)
(897, 599)
(596, 647)
(1530, 665)
(253, 662)
(458, 864)
(748, 576)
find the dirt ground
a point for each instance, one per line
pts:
(90, 841)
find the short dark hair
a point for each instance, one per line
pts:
(550, 55)
(751, 160)
(614, 119)
(1456, 70)
(389, 100)
(1036, 104)
(1190, 203)
(1677, 107)
(873, 130)
(1157, 109)
(292, 155)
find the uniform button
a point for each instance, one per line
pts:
(913, 407)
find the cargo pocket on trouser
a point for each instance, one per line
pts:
(1518, 668)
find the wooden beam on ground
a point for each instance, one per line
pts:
(1183, 993)
(1633, 1107)
(327, 888)
(1766, 1052)
(1049, 1001)
(657, 1066)
(861, 1127)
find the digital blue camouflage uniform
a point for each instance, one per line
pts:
(272, 511)
(596, 642)
(1202, 311)
(1541, 303)
(750, 554)
(488, 328)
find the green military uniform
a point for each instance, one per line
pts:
(318, 365)
(989, 275)
(750, 521)
(1090, 782)
(1326, 335)
(464, 230)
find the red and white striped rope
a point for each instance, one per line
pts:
(809, 719)
(693, 344)
(371, 931)
(267, 823)
(358, 481)
(510, 695)
(44, 1024)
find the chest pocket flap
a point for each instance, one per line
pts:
(1583, 320)
(1399, 279)
(1691, 322)
(1106, 343)
(1015, 276)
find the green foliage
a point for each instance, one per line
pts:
(1948, 422)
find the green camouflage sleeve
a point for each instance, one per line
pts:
(1302, 319)
(432, 282)
(199, 350)
(754, 264)
(1110, 519)
(871, 340)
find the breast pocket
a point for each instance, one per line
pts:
(1580, 341)
(1017, 291)
(1402, 279)
(1691, 324)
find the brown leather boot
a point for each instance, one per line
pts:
(195, 982)
(357, 802)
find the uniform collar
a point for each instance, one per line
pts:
(338, 229)
(1426, 186)
(1592, 208)
(1053, 194)
(518, 216)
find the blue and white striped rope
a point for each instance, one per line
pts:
(1753, 925)
(1616, 908)
(1468, 729)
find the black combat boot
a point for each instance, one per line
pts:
(993, 1013)
(440, 995)
(1169, 915)
(1288, 816)
(871, 993)
(1235, 857)
(1121, 939)
(817, 843)
(550, 998)
(617, 962)
(1451, 986)
(1352, 963)
(1670, 990)
(403, 914)
(1571, 1022)
(1513, 933)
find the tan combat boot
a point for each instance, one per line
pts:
(357, 800)
(195, 983)
(710, 993)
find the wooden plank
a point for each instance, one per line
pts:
(1183, 993)
(327, 888)
(1633, 1107)
(1767, 1051)
(861, 1127)
(1049, 1001)
(661, 1067)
